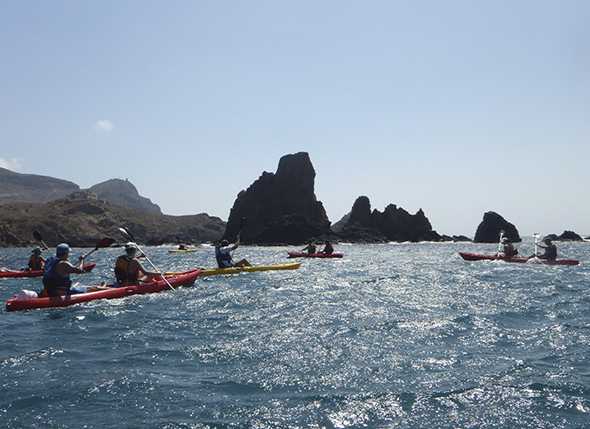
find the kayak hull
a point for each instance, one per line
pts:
(480, 257)
(314, 255)
(36, 273)
(256, 268)
(179, 251)
(180, 279)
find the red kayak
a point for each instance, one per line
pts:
(17, 303)
(519, 260)
(36, 273)
(314, 255)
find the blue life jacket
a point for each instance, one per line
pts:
(55, 285)
(224, 259)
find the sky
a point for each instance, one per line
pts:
(456, 107)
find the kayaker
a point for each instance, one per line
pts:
(310, 248)
(128, 269)
(36, 261)
(328, 249)
(508, 249)
(550, 252)
(56, 278)
(223, 255)
(181, 247)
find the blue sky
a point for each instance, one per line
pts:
(457, 107)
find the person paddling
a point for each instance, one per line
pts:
(550, 253)
(223, 255)
(310, 248)
(328, 249)
(56, 278)
(508, 249)
(128, 269)
(36, 261)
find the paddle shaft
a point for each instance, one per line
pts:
(128, 235)
(155, 268)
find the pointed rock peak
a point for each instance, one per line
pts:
(490, 227)
(361, 210)
(295, 164)
(124, 193)
(280, 207)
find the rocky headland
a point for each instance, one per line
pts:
(81, 218)
(32, 188)
(123, 193)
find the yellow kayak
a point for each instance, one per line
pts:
(237, 270)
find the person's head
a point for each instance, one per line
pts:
(131, 249)
(505, 240)
(547, 241)
(62, 251)
(327, 243)
(36, 251)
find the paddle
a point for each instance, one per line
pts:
(500, 242)
(536, 236)
(39, 238)
(101, 244)
(130, 237)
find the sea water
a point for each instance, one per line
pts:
(392, 335)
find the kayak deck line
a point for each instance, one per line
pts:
(205, 272)
(17, 303)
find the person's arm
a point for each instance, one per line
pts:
(146, 272)
(72, 269)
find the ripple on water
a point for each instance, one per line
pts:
(404, 335)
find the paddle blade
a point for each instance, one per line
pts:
(126, 234)
(105, 242)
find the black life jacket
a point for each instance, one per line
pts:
(124, 272)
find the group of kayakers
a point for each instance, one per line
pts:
(129, 270)
(312, 249)
(549, 249)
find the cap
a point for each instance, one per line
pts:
(62, 249)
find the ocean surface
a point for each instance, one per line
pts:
(390, 336)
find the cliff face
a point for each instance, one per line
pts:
(82, 218)
(393, 224)
(124, 193)
(280, 207)
(32, 188)
(489, 229)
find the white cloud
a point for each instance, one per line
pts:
(104, 126)
(10, 163)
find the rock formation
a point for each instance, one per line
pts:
(32, 188)
(565, 236)
(280, 208)
(393, 224)
(124, 193)
(489, 229)
(80, 219)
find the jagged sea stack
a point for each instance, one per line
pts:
(281, 207)
(393, 224)
(489, 229)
